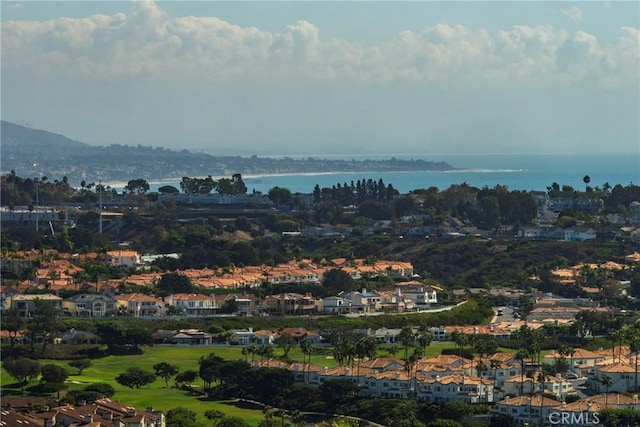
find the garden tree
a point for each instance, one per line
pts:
(502, 420)
(307, 348)
(303, 397)
(22, 369)
(12, 323)
(80, 364)
(187, 378)
(338, 392)
(424, 338)
(168, 189)
(375, 210)
(619, 417)
(53, 373)
(365, 346)
(135, 377)
(285, 342)
(456, 410)
(230, 372)
(214, 415)
(232, 421)
(42, 324)
(461, 340)
(444, 422)
(118, 335)
(174, 283)
(484, 345)
(337, 280)
(343, 346)
(165, 370)
(279, 195)
(139, 186)
(267, 384)
(209, 369)
(407, 339)
(181, 417)
(102, 389)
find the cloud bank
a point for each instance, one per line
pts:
(148, 42)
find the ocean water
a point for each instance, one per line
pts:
(517, 172)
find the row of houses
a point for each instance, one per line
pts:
(408, 297)
(45, 412)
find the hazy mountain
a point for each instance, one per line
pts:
(32, 152)
(14, 136)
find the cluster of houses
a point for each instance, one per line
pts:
(18, 411)
(497, 379)
(60, 272)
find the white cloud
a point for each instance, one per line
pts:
(149, 42)
(574, 13)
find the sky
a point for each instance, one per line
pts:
(328, 77)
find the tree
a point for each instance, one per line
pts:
(214, 415)
(231, 421)
(135, 378)
(285, 342)
(495, 364)
(12, 323)
(139, 186)
(165, 370)
(586, 180)
(174, 283)
(22, 369)
(407, 338)
(80, 364)
(43, 323)
(187, 378)
(606, 382)
(337, 280)
(51, 373)
(279, 195)
(181, 417)
(522, 355)
(102, 389)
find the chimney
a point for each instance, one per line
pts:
(150, 409)
(48, 422)
(346, 371)
(88, 418)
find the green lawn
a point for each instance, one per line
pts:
(104, 370)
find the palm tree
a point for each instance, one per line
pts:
(480, 368)
(586, 180)
(495, 364)
(522, 355)
(542, 378)
(407, 338)
(634, 344)
(307, 350)
(606, 382)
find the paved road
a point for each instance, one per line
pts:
(404, 313)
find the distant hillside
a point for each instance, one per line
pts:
(16, 137)
(32, 152)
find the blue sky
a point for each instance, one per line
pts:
(328, 77)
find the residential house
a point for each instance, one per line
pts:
(579, 234)
(581, 412)
(191, 337)
(123, 258)
(290, 303)
(193, 304)
(422, 296)
(336, 304)
(90, 305)
(451, 388)
(5, 293)
(26, 306)
(621, 374)
(528, 410)
(140, 305)
(362, 302)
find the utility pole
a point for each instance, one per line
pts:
(100, 190)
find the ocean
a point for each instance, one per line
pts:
(517, 172)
